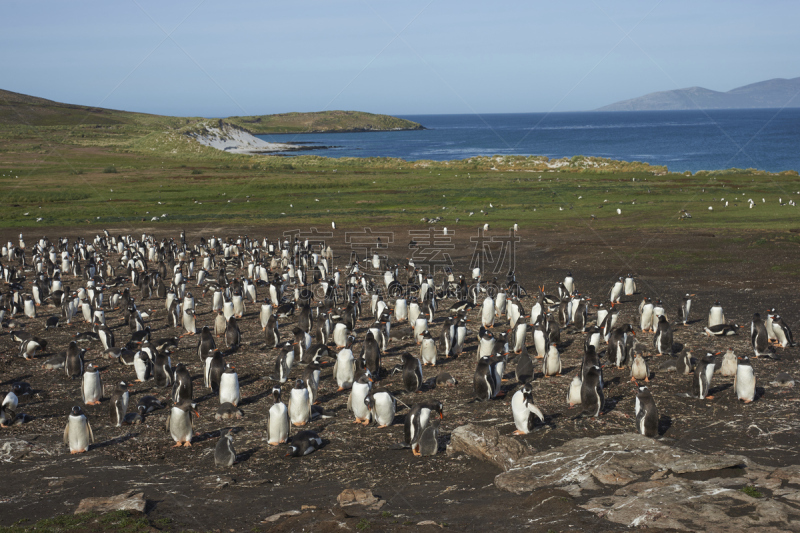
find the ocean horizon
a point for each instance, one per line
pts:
(765, 139)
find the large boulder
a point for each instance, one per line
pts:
(609, 459)
(487, 444)
(130, 501)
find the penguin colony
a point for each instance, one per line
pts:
(314, 316)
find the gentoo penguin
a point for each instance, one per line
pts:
(224, 454)
(616, 291)
(701, 382)
(618, 345)
(629, 285)
(428, 443)
(227, 411)
(639, 369)
(484, 381)
(271, 333)
(524, 410)
(143, 366)
(768, 324)
(344, 368)
(78, 433)
(685, 308)
(782, 332)
(782, 380)
(444, 379)
(594, 336)
(213, 370)
(592, 392)
(7, 409)
(501, 303)
(229, 386)
(371, 354)
(551, 365)
(205, 344)
(304, 443)
(427, 351)
(420, 327)
(400, 310)
(721, 330)
(92, 388)
(745, 381)
(340, 335)
(356, 403)
(265, 313)
(729, 364)
(646, 316)
(299, 404)
(179, 423)
(412, 372)
(162, 369)
(541, 340)
(758, 336)
(460, 329)
(182, 386)
(486, 343)
(118, 404)
(73, 366)
(311, 375)
(658, 312)
(574, 391)
(148, 404)
(524, 371)
(382, 406)
(715, 315)
(662, 341)
(283, 363)
(28, 348)
(189, 321)
(569, 283)
(277, 419)
(417, 420)
(487, 312)
(646, 413)
(220, 323)
(233, 337)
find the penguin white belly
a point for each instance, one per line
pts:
(299, 407)
(519, 337)
(487, 313)
(228, 310)
(384, 409)
(520, 412)
(229, 388)
(419, 328)
(500, 304)
(647, 318)
(513, 314)
(428, 351)
(357, 395)
(539, 343)
(630, 287)
(552, 362)
(745, 383)
(715, 317)
(180, 425)
(340, 335)
(344, 369)
(574, 392)
(78, 434)
(278, 423)
(92, 388)
(401, 310)
(778, 334)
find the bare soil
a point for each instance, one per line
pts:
(184, 486)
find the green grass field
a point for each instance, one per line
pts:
(112, 173)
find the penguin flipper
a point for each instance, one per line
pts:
(169, 417)
(66, 434)
(91, 434)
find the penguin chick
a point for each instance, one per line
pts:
(224, 454)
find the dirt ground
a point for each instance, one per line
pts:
(184, 486)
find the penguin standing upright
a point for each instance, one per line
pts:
(618, 345)
(646, 413)
(646, 316)
(229, 386)
(162, 369)
(745, 381)
(487, 312)
(729, 364)
(344, 368)
(758, 336)
(92, 387)
(616, 291)
(299, 404)
(78, 433)
(524, 371)
(574, 391)
(182, 385)
(277, 419)
(383, 406)
(685, 308)
(417, 420)
(701, 381)
(412, 372)
(524, 410)
(179, 423)
(212, 374)
(205, 344)
(630, 285)
(782, 332)
(429, 439)
(224, 453)
(356, 400)
(662, 341)
(233, 337)
(716, 315)
(118, 404)
(143, 366)
(592, 392)
(73, 365)
(639, 369)
(551, 365)
(484, 381)
(427, 352)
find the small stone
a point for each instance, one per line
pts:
(356, 497)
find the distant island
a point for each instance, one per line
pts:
(775, 93)
(22, 109)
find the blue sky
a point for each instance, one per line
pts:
(409, 57)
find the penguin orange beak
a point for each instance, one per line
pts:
(441, 416)
(197, 413)
(739, 358)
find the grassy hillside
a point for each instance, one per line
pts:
(322, 121)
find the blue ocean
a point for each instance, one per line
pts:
(766, 139)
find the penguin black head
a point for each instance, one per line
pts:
(276, 394)
(298, 384)
(77, 411)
